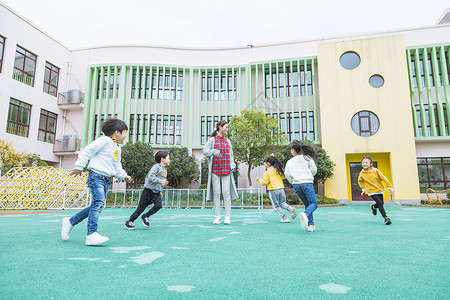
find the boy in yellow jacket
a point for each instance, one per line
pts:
(371, 182)
(273, 178)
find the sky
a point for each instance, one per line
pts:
(217, 23)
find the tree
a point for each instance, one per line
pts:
(10, 158)
(325, 167)
(254, 136)
(183, 168)
(137, 160)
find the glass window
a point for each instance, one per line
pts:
(2, 46)
(47, 126)
(18, 118)
(434, 172)
(376, 81)
(350, 60)
(215, 89)
(24, 66)
(365, 123)
(51, 77)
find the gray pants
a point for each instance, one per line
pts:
(278, 199)
(221, 185)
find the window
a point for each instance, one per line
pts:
(208, 124)
(47, 126)
(290, 125)
(434, 172)
(2, 46)
(167, 85)
(376, 81)
(24, 66)
(350, 60)
(288, 82)
(178, 130)
(168, 129)
(215, 88)
(365, 123)
(426, 114)
(108, 83)
(51, 77)
(18, 118)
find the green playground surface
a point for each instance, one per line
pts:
(183, 255)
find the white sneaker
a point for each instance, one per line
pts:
(217, 220)
(95, 239)
(303, 220)
(285, 220)
(66, 229)
(311, 228)
(293, 212)
(227, 220)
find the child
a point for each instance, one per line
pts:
(273, 178)
(103, 156)
(300, 171)
(154, 181)
(371, 182)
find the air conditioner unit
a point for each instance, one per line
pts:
(69, 142)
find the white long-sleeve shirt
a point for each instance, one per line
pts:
(104, 156)
(300, 169)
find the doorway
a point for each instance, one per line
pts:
(355, 169)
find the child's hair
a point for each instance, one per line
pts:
(219, 124)
(112, 125)
(367, 157)
(276, 163)
(304, 149)
(160, 154)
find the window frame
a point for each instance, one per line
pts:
(3, 42)
(49, 84)
(47, 132)
(26, 57)
(16, 123)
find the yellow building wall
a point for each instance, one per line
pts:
(344, 92)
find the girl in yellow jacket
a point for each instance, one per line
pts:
(273, 178)
(371, 182)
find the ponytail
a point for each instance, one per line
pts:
(276, 163)
(219, 124)
(304, 149)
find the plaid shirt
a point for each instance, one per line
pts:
(221, 165)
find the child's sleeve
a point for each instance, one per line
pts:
(120, 172)
(384, 179)
(152, 175)
(88, 152)
(312, 167)
(287, 172)
(361, 182)
(265, 180)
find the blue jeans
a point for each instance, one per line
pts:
(99, 185)
(306, 193)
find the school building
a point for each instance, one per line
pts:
(379, 94)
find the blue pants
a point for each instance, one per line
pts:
(99, 185)
(306, 193)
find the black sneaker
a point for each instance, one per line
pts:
(129, 225)
(374, 210)
(145, 221)
(387, 221)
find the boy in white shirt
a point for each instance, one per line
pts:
(103, 155)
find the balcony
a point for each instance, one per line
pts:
(68, 145)
(71, 100)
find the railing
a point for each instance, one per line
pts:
(185, 198)
(18, 129)
(23, 77)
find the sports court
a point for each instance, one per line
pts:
(352, 255)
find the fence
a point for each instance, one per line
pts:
(185, 198)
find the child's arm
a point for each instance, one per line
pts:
(152, 175)
(287, 172)
(209, 150)
(120, 172)
(265, 180)
(312, 167)
(361, 184)
(86, 154)
(389, 185)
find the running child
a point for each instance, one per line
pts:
(300, 171)
(371, 181)
(273, 178)
(103, 156)
(152, 193)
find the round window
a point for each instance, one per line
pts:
(365, 123)
(376, 81)
(350, 60)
